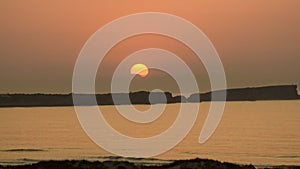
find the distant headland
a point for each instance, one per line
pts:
(283, 92)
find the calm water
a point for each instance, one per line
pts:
(261, 133)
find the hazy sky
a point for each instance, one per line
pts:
(258, 41)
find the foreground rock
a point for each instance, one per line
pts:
(181, 164)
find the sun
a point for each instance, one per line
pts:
(139, 69)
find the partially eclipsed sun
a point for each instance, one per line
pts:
(139, 69)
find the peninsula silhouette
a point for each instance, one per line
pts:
(283, 92)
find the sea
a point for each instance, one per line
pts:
(262, 133)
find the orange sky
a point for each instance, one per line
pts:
(258, 41)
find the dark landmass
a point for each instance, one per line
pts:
(179, 164)
(285, 92)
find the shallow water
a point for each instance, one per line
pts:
(261, 133)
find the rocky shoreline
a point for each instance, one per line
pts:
(179, 164)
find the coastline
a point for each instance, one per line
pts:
(284, 92)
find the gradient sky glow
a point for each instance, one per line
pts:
(258, 41)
